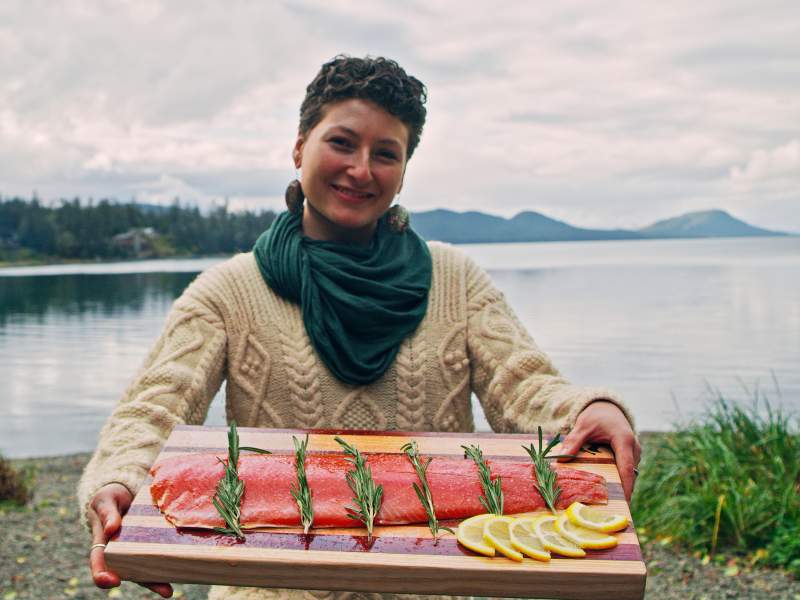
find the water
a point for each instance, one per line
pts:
(657, 321)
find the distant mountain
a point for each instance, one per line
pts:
(707, 223)
(477, 227)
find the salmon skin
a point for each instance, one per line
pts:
(183, 487)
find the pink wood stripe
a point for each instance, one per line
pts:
(339, 543)
(596, 460)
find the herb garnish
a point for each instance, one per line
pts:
(228, 497)
(424, 493)
(545, 475)
(492, 498)
(367, 495)
(302, 493)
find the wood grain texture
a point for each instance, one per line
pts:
(397, 559)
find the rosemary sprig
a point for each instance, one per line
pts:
(367, 495)
(228, 497)
(545, 475)
(424, 493)
(302, 493)
(492, 498)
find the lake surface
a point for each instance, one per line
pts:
(659, 321)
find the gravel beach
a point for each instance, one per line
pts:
(43, 549)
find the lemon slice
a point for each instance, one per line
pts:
(582, 515)
(526, 541)
(585, 538)
(496, 534)
(554, 542)
(470, 535)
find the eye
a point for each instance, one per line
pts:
(388, 155)
(340, 142)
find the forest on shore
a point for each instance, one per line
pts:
(31, 231)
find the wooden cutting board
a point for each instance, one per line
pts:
(399, 558)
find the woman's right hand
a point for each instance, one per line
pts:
(105, 517)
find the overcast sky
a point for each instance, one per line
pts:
(601, 114)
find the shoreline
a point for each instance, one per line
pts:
(44, 554)
(56, 261)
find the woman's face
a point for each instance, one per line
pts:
(352, 162)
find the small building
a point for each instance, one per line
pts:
(137, 241)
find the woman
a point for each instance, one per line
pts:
(342, 317)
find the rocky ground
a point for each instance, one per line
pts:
(43, 549)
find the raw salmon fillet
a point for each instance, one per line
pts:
(183, 487)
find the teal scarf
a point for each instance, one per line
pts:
(358, 302)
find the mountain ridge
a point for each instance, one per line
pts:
(531, 226)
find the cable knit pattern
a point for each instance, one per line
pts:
(410, 364)
(304, 376)
(358, 411)
(228, 325)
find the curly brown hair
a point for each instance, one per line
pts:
(377, 79)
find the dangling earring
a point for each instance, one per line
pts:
(294, 197)
(398, 219)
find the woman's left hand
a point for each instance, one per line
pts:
(604, 423)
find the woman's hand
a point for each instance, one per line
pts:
(105, 516)
(603, 422)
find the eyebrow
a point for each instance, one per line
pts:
(391, 141)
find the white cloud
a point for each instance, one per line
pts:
(561, 107)
(782, 162)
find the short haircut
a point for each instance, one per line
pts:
(379, 80)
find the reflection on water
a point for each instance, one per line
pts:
(69, 345)
(64, 296)
(655, 330)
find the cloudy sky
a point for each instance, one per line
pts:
(600, 114)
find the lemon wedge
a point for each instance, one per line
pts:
(552, 541)
(470, 535)
(496, 534)
(526, 541)
(585, 538)
(582, 515)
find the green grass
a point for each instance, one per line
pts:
(16, 487)
(729, 482)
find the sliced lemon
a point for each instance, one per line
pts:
(585, 538)
(582, 515)
(470, 535)
(531, 520)
(526, 541)
(552, 541)
(496, 535)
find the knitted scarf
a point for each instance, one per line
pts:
(358, 302)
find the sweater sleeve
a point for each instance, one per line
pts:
(175, 385)
(518, 386)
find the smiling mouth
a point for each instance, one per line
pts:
(351, 193)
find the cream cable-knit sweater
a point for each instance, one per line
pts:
(229, 325)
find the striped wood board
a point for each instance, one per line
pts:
(399, 559)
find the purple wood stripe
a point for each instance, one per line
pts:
(338, 543)
(615, 491)
(219, 450)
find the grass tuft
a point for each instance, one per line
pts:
(16, 487)
(727, 482)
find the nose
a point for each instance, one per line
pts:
(360, 169)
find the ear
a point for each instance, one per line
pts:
(297, 151)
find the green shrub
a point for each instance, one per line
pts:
(784, 550)
(727, 482)
(15, 487)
